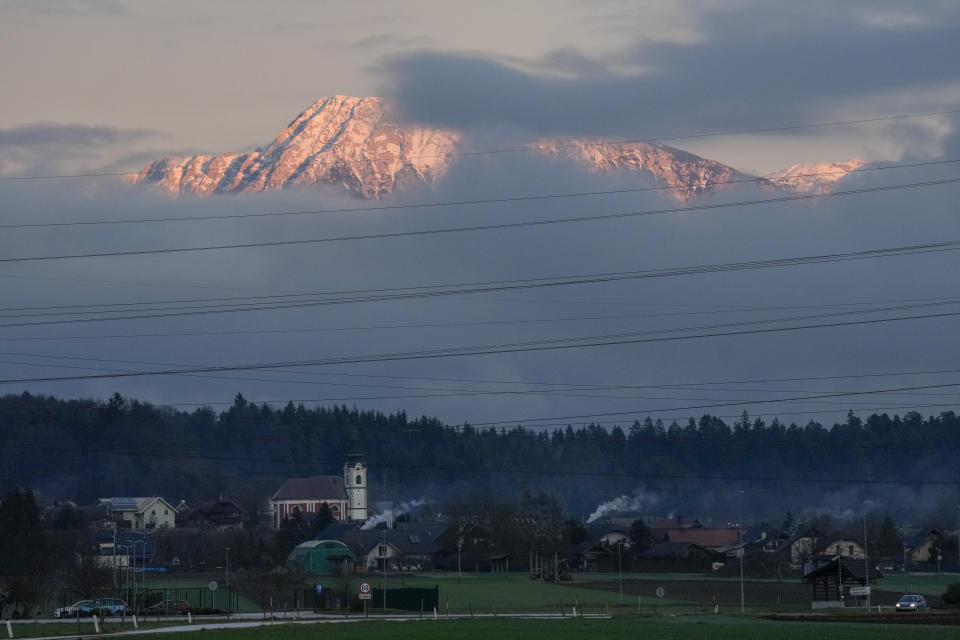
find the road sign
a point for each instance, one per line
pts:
(364, 587)
(661, 592)
(366, 596)
(318, 587)
(859, 591)
(213, 585)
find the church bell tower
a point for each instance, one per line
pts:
(355, 483)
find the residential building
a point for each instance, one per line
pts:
(844, 545)
(712, 539)
(215, 514)
(398, 550)
(139, 513)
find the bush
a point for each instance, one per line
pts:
(952, 595)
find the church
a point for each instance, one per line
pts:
(346, 496)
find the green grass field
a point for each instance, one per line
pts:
(680, 628)
(484, 593)
(927, 584)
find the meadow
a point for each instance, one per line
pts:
(632, 628)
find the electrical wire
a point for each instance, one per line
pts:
(476, 228)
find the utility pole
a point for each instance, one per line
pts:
(866, 562)
(740, 544)
(384, 570)
(906, 584)
(620, 568)
(228, 567)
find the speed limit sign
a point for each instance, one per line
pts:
(364, 587)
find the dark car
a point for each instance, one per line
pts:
(169, 606)
(911, 602)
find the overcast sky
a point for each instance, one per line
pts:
(107, 85)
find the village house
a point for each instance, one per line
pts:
(678, 556)
(139, 513)
(844, 545)
(393, 549)
(216, 514)
(661, 526)
(609, 535)
(712, 539)
(922, 546)
(801, 546)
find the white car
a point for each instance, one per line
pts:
(912, 602)
(78, 608)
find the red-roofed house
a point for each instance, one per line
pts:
(712, 539)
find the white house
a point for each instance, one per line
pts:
(140, 513)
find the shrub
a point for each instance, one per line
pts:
(952, 595)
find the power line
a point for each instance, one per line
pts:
(432, 291)
(458, 203)
(528, 346)
(763, 321)
(433, 325)
(475, 228)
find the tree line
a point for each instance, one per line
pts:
(83, 449)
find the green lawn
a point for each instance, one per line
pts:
(484, 593)
(927, 584)
(680, 628)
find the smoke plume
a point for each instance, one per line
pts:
(390, 515)
(639, 501)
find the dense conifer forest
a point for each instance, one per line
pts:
(82, 449)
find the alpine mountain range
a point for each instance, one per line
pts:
(354, 144)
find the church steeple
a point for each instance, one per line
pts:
(355, 480)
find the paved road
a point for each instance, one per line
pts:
(305, 618)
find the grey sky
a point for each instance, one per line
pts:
(221, 76)
(99, 84)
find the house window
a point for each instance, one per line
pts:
(851, 550)
(382, 550)
(359, 480)
(166, 512)
(153, 512)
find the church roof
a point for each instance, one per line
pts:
(312, 488)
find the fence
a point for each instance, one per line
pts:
(201, 600)
(408, 599)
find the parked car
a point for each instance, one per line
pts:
(170, 606)
(111, 606)
(911, 602)
(78, 608)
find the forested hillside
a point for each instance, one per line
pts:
(85, 449)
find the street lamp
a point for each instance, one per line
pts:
(228, 567)
(740, 544)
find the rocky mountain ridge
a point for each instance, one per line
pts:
(354, 143)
